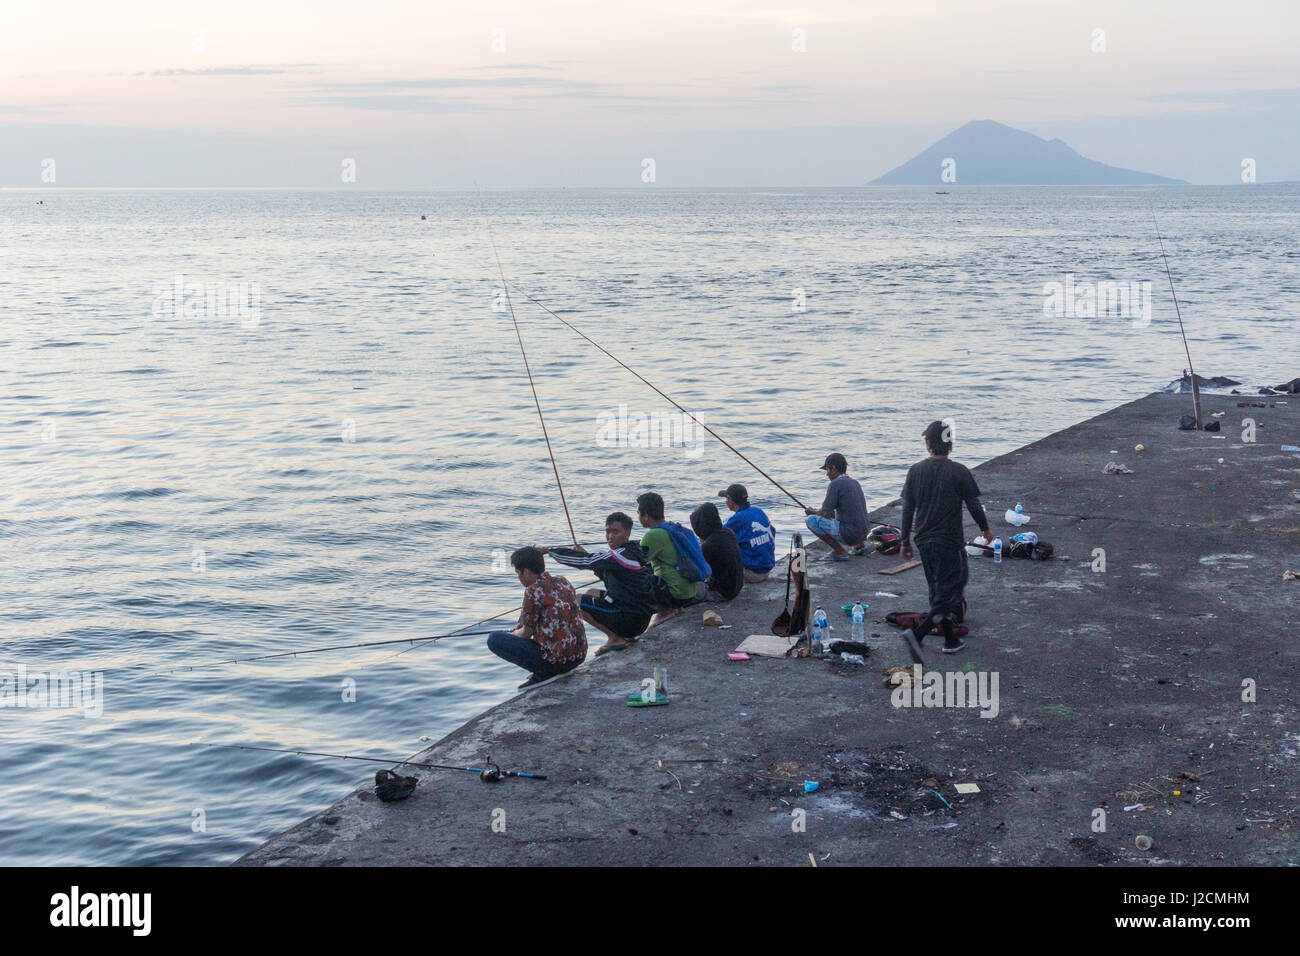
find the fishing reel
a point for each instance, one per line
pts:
(491, 773)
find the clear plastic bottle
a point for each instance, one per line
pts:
(997, 550)
(820, 631)
(859, 619)
(1019, 510)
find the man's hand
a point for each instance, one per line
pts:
(988, 535)
(810, 511)
(906, 551)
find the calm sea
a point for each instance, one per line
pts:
(321, 432)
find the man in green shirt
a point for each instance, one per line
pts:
(672, 591)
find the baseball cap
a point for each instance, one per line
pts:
(835, 460)
(736, 493)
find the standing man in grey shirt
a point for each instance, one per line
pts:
(933, 495)
(842, 518)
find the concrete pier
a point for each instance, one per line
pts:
(1155, 694)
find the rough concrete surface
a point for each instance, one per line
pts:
(1116, 689)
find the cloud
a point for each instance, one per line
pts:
(233, 70)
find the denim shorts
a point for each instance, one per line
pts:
(827, 526)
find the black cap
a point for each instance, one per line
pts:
(835, 460)
(736, 493)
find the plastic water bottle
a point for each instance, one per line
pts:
(859, 616)
(820, 629)
(1019, 510)
(997, 550)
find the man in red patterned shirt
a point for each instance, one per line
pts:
(550, 639)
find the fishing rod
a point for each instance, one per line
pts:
(413, 641)
(1196, 389)
(321, 650)
(489, 774)
(542, 418)
(662, 394)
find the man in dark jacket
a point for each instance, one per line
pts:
(721, 550)
(622, 610)
(933, 495)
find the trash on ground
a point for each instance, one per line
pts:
(1139, 447)
(899, 676)
(967, 787)
(1290, 576)
(737, 655)
(1142, 842)
(896, 815)
(712, 619)
(852, 658)
(849, 647)
(809, 786)
(1290, 448)
(1114, 468)
(1014, 518)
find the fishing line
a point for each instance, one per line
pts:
(489, 774)
(662, 394)
(463, 632)
(1196, 390)
(506, 289)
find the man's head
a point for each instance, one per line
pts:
(938, 438)
(835, 465)
(736, 497)
(618, 529)
(649, 509)
(529, 565)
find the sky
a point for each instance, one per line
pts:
(576, 93)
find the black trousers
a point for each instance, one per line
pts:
(946, 572)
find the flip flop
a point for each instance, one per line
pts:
(609, 648)
(835, 557)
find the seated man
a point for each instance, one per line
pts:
(672, 590)
(753, 531)
(623, 609)
(721, 550)
(550, 639)
(842, 518)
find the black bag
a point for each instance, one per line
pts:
(390, 786)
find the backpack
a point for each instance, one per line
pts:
(690, 559)
(886, 538)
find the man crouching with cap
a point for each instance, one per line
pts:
(842, 518)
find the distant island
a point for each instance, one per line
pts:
(985, 153)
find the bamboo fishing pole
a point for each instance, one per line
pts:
(536, 401)
(661, 393)
(1196, 389)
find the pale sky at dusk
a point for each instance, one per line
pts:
(146, 92)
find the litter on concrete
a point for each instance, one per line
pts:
(1114, 468)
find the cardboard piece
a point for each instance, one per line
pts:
(766, 645)
(900, 567)
(967, 787)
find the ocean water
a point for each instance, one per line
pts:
(349, 456)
